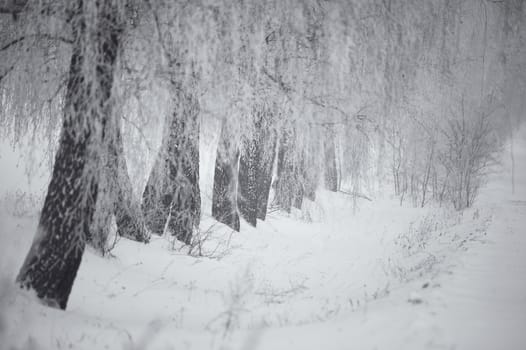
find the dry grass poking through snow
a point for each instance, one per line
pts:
(233, 288)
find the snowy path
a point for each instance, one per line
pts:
(484, 300)
(477, 301)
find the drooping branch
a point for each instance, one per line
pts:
(36, 36)
(288, 89)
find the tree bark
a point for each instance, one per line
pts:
(331, 174)
(224, 197)
(265, 167)
(299, 182)
(157, 196)
(172, 191)
(255, 168)
(128, 216)
(286, 184)
(51, 265)
(247, 196)
(311, 173)
(115, 197)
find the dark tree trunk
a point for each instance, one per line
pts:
(115, 197)
(172, 191)
(297, 170)
(285, 185)
(185, 214)
(157, 196)
(247, 196)
(311, 169)
(100, 226)
(268, 140)
(330, 171)
(255, 168)
(224, 197)
(299, 182)
(128, 216)
(51, 265)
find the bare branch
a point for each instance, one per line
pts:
(356, 194)
(36, 36)
(11, 43)
(6, 72)
(320, 103)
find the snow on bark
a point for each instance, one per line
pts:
(55, 255)
(330, 171)
(172, 193)
(115, 197)
(255, 167)
(224, 197)
(286, 184)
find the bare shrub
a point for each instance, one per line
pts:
(470, 152)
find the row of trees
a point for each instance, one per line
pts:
(353, 95)
(447, 101)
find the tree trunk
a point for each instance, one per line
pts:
(157, 196)
(51, 265)
(311, 184)
(128, 216)
(299, 181)
(311, 173)
(255, 168)
(172, 191)
(331, 174)
(265, 167)
(115, 197)
(224, 197)
(286, 182)
(427, 175)
(247, 196)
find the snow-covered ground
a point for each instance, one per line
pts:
(385, 277)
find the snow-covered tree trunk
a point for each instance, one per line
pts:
(299, 179)
(330, 171)
(128, 215)
(51, 265)
(157, 197)
(311, 173)
(247, 195)
(115, 197)
(224, 197)
(266, 165)
(311, 177)
(286, 179)
(172, 190)
(255, 168)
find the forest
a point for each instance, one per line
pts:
(243, 174)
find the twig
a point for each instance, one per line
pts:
(356, 194)
(6, 73)
(37, 36)
(288, 89)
